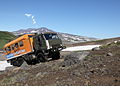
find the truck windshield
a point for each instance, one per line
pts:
(51, 36)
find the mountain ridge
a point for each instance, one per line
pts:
(66, 38)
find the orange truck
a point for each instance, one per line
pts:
(33, 48)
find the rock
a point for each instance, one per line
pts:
(24, 65)
(76, 73)
(15, 70)
(109, 54)
(1, 72)
(82, 55)
(40, 74)
(116, 80)
(26, 85)
(92, 71)
(109, 43)
(115, 42)
(74, 58)
(96, 48)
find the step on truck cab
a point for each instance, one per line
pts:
(33, 48)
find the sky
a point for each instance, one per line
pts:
(92, 18)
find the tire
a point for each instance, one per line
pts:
(56, 55)
(41, 58)
(29, 60)
(17, 62)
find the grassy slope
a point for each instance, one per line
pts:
(5, 37)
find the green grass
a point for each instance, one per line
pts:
(5, 37)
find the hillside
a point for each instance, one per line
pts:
(82, 68)
(5, 37)
(97, 42)
(66, 38)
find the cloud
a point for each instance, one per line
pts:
(32, 17)
(33, 20)
(28, 15)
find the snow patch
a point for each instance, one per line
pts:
(3, 65)
(77, 48)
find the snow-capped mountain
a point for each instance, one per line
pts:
(71, 39)
(31, 30)
(66, 38)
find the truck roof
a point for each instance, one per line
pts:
(17, 40)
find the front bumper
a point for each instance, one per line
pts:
(53, 49)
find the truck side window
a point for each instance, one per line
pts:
(13, 46)
(9, 49)
(55, 37)
(5, 50)
(21, 43)
(16, 45)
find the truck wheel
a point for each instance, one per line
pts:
(41, 58)
(17, 62)
(56, 55)
(29, 60)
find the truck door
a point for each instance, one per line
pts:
(39, 42)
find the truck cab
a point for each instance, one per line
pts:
(49, 43)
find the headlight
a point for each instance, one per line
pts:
(61, 45)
